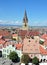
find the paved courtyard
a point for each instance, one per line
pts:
(7, 62)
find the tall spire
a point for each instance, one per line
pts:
(25, 14)
(25, 19)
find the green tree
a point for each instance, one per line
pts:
(25, 58)
(14, 56)
(35, 60)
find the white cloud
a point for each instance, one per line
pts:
(32, 23)
(38, 23)
(10, 22)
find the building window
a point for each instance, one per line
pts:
(31, 55)
(36, 49)
(42, 55)
(13, 45)
(4, 50)
(7, 51)
(28, 45)
(30, 49)
(32, 37)
(10, 50)
(25, 49)
(29, 41)
(4, 55)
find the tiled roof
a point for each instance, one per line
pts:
(0, 36)
(42, 50)
(18, 46)
(4, 33)
(7, 43)
(2, 41)
(33, 33)
(24, 33)
(44, 36)
(45, 43)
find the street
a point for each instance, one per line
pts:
(7, 62)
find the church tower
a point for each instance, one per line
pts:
(25, 21)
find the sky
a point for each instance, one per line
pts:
(12, 12)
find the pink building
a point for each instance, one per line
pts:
(31, 47)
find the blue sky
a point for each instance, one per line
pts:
(12, 12)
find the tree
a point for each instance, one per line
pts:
(14, 56)
(25, 58)
(35, 60)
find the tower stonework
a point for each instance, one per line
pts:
(25, 21)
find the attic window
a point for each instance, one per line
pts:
(13, 45)
(32, 37)
(29, 41)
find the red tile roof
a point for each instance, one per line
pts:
(45, 43)
(33, 33)
(18, 46)
(2, 41)
(44, 36)
(43, 51)
(24, 33)
(0, 36)
(4, 33)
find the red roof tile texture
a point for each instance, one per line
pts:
(19, 46)
(43, 51)
(2, 41)
(24, 33)
(44, 36)
(4, 33)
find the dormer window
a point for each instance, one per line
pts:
(32, 37)
(29, 41)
